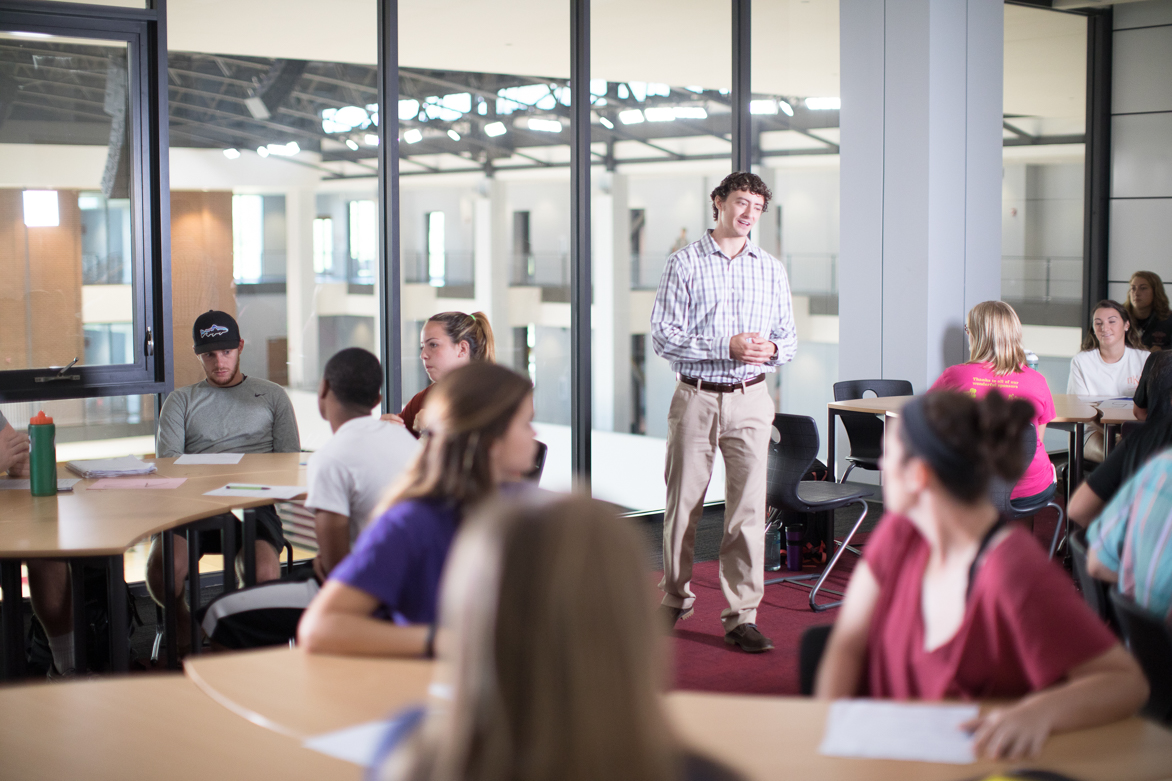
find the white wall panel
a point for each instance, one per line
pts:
(1141, 156)
(1142, 70)
(1141, 234)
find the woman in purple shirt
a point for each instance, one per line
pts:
(381, 599)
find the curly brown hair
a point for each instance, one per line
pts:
(740, 180)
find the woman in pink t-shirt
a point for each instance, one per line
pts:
(950, 603)
(997, 360)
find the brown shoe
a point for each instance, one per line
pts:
(749, 638)
(673, 614)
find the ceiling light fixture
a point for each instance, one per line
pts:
(690, 112)
(452, 134)
(231, 154)
(262, 151)
(371, 139)
(545, 125)
(40, 209)
(659, 114)
(786, 108)
(631, 116)
(606, 123)
(413, 136)
(823, 104)
(494, 129)
(765, 106)
(350, 142)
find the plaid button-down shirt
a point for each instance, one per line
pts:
(705, 298)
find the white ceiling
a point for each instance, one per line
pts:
(678, 42)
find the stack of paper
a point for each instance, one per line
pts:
(111, 467)
(878, 729)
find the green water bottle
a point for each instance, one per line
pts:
(42, 455)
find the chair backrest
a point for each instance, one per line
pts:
(810, 650)
(793, 446)
(534, 474)
(999, 488)
(855, 389)
(865, 431)
(1150, 642)
(1094, 591)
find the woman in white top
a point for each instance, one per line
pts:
(1110, 364)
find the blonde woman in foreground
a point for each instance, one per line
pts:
(550, 651)
(948, 603)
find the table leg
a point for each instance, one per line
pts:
(1079, 437)
(249, 547)
(1110, 431)
(119, 619)
(170, 607)
(229, 548)
(77, 592)
(831, 461)
(193, 586)
(12, 619)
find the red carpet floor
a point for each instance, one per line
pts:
(704, 662)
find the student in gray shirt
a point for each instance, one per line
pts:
(224, 413)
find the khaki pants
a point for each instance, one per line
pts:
(739, 423)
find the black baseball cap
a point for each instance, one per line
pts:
(215, 330)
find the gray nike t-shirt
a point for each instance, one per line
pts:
(254, 416)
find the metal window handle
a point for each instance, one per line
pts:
(150, 341)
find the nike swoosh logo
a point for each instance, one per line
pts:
(258, 395)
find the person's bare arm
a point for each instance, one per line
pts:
(333, 540)
(13, 451)
(1085, 506)
(340, 620)
(1139, 412)
(841, 669)
(1107, 688)
(1100, 571)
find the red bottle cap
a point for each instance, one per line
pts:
(40, 419)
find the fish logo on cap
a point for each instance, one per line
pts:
(214, 331)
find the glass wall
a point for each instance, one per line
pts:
(1042, 183)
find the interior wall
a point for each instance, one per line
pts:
(201, 270)
(40, 300)
(1141, 152)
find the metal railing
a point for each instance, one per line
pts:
(1043, 278)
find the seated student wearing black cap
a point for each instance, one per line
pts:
(224, 413)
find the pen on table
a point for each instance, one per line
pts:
(247, 487)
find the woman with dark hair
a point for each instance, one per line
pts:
(381, 599)
(1110, 364)
(551, 654)
(1147, 304)
(950, 603)
(448, 341)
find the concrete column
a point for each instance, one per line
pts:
(490, 259)
(920, 181)
(611, 316)
(300, 286)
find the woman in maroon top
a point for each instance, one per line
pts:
(449, 340)
(948, 603)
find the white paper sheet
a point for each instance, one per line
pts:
(254, 491)
(881, 729)
(192, 459)
(111, 467)
(63, 484)
(356, 744)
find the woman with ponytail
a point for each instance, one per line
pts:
(449, 340)
(381, 599)
(949, 603)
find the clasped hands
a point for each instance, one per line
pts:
(751, 348)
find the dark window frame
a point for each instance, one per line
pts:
(144, 31)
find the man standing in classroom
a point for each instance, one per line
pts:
(724, 319)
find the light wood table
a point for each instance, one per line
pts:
(101, 525)
(300, 694)
(144, 727)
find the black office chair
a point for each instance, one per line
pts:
(1094, 591)
(793, 447)
(1015, 509)
(864, 430)
(1150, 642)
(810, 650)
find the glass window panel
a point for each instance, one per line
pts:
(484, 124)
(67, 250)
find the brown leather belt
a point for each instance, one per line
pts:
(720, 387)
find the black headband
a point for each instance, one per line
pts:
(926, 444)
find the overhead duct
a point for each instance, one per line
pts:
(116, 176)
(274, 88)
